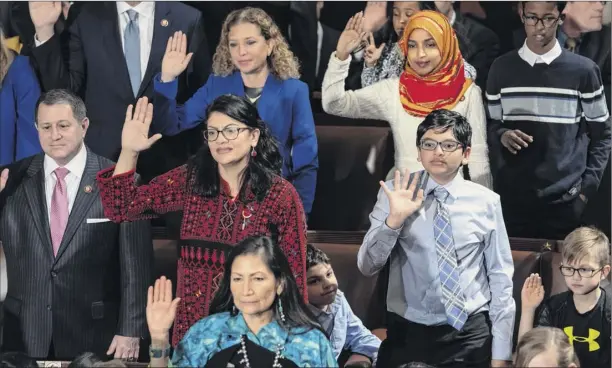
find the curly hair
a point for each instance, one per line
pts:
(282, 63)
(6, 57)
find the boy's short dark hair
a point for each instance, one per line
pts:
(315, 256)
(442, 120)
(560, 5)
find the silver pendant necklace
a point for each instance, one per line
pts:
(245, 357)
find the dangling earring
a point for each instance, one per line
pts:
(253, 152)
(234, 310)
(280, 310)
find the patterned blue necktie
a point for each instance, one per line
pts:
(452, 295)
(131, 46)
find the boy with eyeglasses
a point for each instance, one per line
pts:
(548, 129)
(582, 312)
(449, 292)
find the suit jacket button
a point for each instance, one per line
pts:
(53, 274)
(48, 307)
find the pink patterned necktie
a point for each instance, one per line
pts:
(59, 208)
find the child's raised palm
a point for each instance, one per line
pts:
(533, 292)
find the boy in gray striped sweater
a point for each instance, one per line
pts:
(548, 129)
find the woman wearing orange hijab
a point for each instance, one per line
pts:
(434, 78)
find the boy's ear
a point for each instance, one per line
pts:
(605, 271)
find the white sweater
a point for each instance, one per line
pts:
(381, 101)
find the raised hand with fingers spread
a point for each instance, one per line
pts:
(351, 37)
(161, 309)
(3, 179)
(533, 292)
(402, 199)
(44, 15)
(135, 134)
(372, 53)
(176, 59)
(375, 15)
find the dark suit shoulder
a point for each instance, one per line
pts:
(185, 12)
(476, 30)
(93, 10)
(330, 32)
(104, 162)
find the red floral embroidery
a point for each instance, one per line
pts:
(220, 220)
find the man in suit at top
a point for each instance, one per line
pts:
(113, 51)
(77, 282)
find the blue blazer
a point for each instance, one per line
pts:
(18, 96)
(284, 105)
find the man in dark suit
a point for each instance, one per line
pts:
(111, 52)
(77, 282)
(479, 45)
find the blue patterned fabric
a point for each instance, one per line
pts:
(452, 295)
(220, 331)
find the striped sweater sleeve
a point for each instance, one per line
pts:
(494, 112)
(597, 117)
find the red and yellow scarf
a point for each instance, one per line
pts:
(444, 87)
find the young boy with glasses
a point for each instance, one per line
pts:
(449, 292)
(582, 312)
(548, 129)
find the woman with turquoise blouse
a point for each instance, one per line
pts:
(257, 319)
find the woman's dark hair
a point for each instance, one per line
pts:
(386, 33)
(443, 120)
(203, 169)
(17, 360)
(297, 313)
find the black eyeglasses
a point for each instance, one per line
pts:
(583, 272)
(532, 20)
(447, 146)
(229, 132)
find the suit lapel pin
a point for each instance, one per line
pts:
(88, 189)
(164, 22)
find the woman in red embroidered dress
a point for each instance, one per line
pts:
(231, 189)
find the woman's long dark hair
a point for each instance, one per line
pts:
(203, 171)
(386, 33)
(295, 309)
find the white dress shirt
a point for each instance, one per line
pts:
(76, 166)
(532, 58)
(146, 25)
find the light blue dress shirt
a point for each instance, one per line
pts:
(483, 256)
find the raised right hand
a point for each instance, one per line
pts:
(135, 134)
(161, 308)
(533, 292)
(44, 13)
(175, 59)
(402, 201)
(351, 37)
(372, 53)
(375, 15)
(514, 140)
(3, 179)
